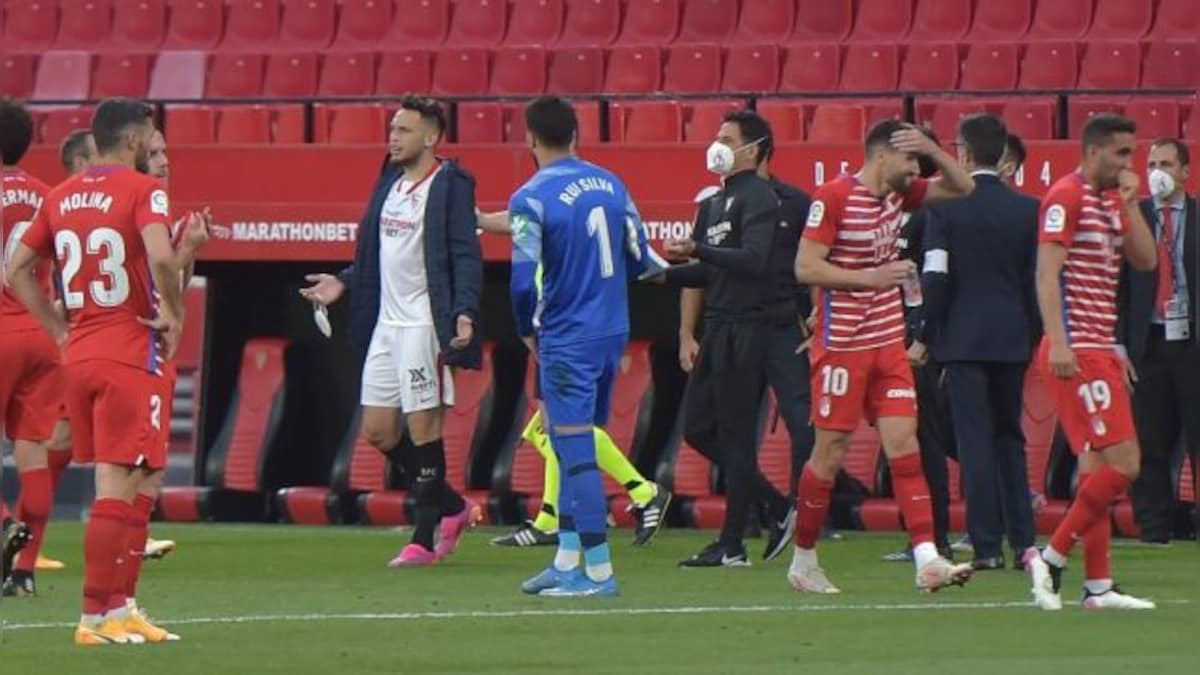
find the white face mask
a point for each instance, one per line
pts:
(1161, 183)
(720, 157)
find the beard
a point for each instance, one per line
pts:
(900, 183)
(142, 163)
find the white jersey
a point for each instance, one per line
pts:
(404, 298)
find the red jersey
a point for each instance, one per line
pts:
(94, 222)
(861, 231)
(22, 195)
(1088, 223)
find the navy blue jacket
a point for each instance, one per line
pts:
(453, 262)
(983, 305)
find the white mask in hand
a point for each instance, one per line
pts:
(1161, 183)
(321, 318)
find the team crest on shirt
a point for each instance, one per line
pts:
(816, 213)
(1056, 219)
(159, 204)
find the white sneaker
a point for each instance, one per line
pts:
(811, 580)
(1113, 598)
(157, 549)
(1045, 590)
(940, 573)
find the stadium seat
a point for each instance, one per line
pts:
(1082, 108)
(364, 24)
(58, 122)
(477, 23)
(1031, 118)
(751, 68)
(708, 21)
(1121, 19)
(1191, 123)
(837, 123)
(882, 21)
(188, 125)
(84, 24)
(291, 76)
(587, 114)
(871, 68)
(350, 123)
(633, 70)
(17, 73)
(421, 24)
(930, 66)
(816, 68)
(650, 22)
(940, 20)
(1000, 21)
(787, 118)
(178, 75)
(692, 69)
(232, 483)
(350, 74)
(195, 24)
(703, 118)
(121, 75)
(63, 76)
(30, 26)
(591, 23)
(289, 124)
(1110, 65)
(480, 122)
(1155, 117)
(576, 71)
(764, 22)
(357, 468)
(645, 122)
(690, 476)
(990, 66)
(251, 25)
(534, 22)
(1176, 20)
(1170, 65)
(514, 121)
(307, 24)
(234, 76)
(404, 72)
(1050, 65)
(250, 124)
(879, 109)
(460, 72)
(518, 70)
(942, 115)
(822, 21)
(1061, 20)
(632, 404)
(526, 473)
(139, 24)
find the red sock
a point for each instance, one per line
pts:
(1097, 545)
(139, 529)
(812, 506)
(58, 460)
(33, 507)
(120, 580)
(912, 496)
(1092, 501)
(103, 541)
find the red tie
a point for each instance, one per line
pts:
(1166, 262)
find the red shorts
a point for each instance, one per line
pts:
(848, 386)
(30, 385)
(116, 414)
(1093, 406)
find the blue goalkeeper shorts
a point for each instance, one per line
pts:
(576, 380)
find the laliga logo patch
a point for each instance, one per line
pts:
(816, 213)
(1056, 219)
(158, 203)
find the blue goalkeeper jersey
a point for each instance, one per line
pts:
(575, 225)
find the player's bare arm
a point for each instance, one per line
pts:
(161, 256)
(20, 278)
(814, 269)
(691, 301)
(495, 222)
(1140, 248)
(1051, 257)
(955, 181)
(195, 236)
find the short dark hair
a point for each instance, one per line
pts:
(753, 127)
(429, 110)
(926, 167)
(1181, 149)
(1100, 129)
(1015, 148)
(551, 120)
(16, 131)
(881, 133)
(115, 115)
(73, 146)
(985, 137)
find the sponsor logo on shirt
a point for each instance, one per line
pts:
(901, 393)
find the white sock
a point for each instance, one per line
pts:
(118, 614)
(1054, 557)
(131, 604)
(91, 619)
(1097, 586)
(803, 558)
(925, 553)
(566, 559)
(599, 573)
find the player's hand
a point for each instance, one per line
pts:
(60, 309)
(531, 344)
(688, 350)
(890, 275)
(464, 329)
(1128, 184)
(1063, 363)
(326, 288)
(1131, 376)
(679, 248)
(909, 139)
(195, 229)
(806, 332)
(918, 354)
(169, 329)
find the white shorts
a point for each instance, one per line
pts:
(404, 370)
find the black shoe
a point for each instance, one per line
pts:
(19, 583)
(528, 535)
(16, 536)
(651, 516)
(993, 563)
(717, 555)
(779, 533)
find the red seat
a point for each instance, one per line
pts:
(251, 24)
(139, 24)
(591, 23)
(692, 479)
(765, 22)
(291, 76)
(514, 121)
(519, 70)
(1001, 21)
(704, 118)
(121, 75)
(534, 22)
(84, 24)
(1031, 119)
(1050, 65)
(1187, 482)
(822, 20)
(63, 76)
(1191, 124)
(464, 428)
(787, 119)
(708, 21)
(1111, 65)
(633, 70)
(58, 122)
(1155, 117)
(1082, 108)
(943, 115)
(1176, 20)
(404, 72)
(882, 20)
(307, 24)
(862, 456)
(941, 20)
(234, 76)
(17, 72)
(1061, 20)
(930, 66)
(178, 75)
(460, 72)
(879, 109)
(587, 114)
(1170, 65)
(632, 400)
(195, 24)
(811, 68)
(351, 74)
(365, 23)
(990, 66)
(244, 124)
(421, 24)
(350, 123)
(477, 23)
(1038, 421)
(646, 122)
(692, 69)
(29, 25)
(650, 22)
(480, 122)
(191, 125)
(751, 69)
(576, 71)
(1121, 19)
(871, 68)
(526, 475)
(288, 124)
(837, 123)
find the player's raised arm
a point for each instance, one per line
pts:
(495, 222)
(526, 260)
(19, 276)
(644, 262)
(955, 182)
(1140, 249)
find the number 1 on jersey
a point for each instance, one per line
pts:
(597, 224)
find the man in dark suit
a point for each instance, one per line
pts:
(980, 324)
(1159, 309)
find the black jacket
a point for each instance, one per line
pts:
(790, 298)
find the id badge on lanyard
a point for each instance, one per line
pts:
(1175, 322)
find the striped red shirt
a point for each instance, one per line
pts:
(1088, 223)
(860, 230)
